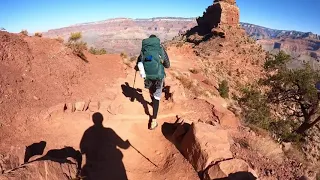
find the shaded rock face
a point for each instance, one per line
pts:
(222, 12)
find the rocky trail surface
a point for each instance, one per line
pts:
(145, 154)
(63, 118)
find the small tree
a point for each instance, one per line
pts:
(224, 89)
(256, 110)
(294, 90)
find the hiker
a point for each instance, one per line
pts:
(151, 63)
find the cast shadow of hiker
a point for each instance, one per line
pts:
(103, 159)
(64, 155)
(133, 94)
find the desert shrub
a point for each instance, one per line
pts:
(224, 89)
(133, 59)
(77, 46)
(75, 36)
(24, 32)
(179, 44)
(123, 55)
(242, 142)
(96, 51)
(194, 70)
(190, 85)
(38, 34)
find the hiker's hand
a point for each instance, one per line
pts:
(128, 143)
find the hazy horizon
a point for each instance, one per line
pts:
(41, 16)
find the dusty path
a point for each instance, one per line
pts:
(129, 121)
(149, 156)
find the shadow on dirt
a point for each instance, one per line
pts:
(135, 94)
(240, 176)
(103, 159)
(34, 150)
(98, 144)
(56, 155)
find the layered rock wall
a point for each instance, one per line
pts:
(221, 13)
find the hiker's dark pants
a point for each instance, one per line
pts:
(155, 89)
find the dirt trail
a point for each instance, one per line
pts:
(150, 156)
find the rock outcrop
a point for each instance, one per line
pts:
(234, 167)
(204, 145)
(221, 13)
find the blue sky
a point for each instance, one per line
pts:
(41, 15)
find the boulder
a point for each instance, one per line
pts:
(79, 106)
(94, 106)
(234, 168)
(226, 118)
(205, 144)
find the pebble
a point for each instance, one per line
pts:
(36, 98)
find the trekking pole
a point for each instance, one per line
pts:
(143, 155)
(134, 81)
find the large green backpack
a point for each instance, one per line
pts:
(151, 58)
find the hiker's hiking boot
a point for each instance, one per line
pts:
(153, 124)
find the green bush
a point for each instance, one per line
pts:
(256, 111)
(75, 36)
(24, 32)
(97, 51)
(224, 89)
(77, 46)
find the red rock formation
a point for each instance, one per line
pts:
(221, 13)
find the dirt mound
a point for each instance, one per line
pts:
(41, 73)
(31, 69)
(14, 50)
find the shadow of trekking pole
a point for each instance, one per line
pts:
(134, 83)
(143, 155)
